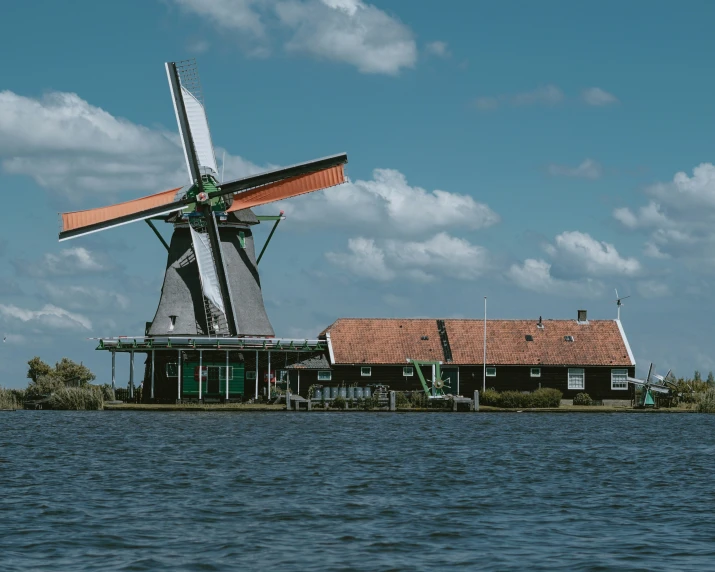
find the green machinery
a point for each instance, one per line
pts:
(435, 388)
(211, 375)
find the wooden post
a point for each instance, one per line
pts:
(201, 373)
(131, 374)
(114, 364)
(288, 398)
(393, 401)
(476, 401)
(178, 379)
(298, 382)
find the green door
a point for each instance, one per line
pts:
(449, 375)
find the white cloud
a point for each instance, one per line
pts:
(438, 49)
(67, 145)
(588, 169)
(535, 275)
(69, 261)
(347, 31)
(577, 253)
(389, 202)
(439, 256)
(597, 97)
(49, 316)
(679, 219)
(365, 259)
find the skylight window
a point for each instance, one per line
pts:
(529, 338)
(568, 338)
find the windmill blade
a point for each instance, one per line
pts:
(79, 223)
(284, 183)
(636, 381)
(650, 370)
(193, 126)
(659, 388)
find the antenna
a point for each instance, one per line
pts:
(619, 304)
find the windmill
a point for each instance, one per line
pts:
(211, 284)
(650, 387)
(619, 304)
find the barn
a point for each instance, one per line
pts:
(574, 356)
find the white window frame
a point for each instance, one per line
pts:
(577, 371)
(363, 374)
(493, 371)
(619, 385)
(322, 376)
(408, 371)
(251, 375)
(535, 369)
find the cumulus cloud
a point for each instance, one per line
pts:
(578, 263)
(347, 31)
(535, 275)
(679, 217)
(69, 261)
(389, 202)
(49, 316)
(70, 146)
(588, 169)
(598, 97)
(577, 253)
(440, 255)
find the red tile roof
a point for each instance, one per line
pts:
(393, 341)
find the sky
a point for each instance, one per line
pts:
(539, 154)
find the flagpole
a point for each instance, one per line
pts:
(484, 372)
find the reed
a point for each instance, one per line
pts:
(705, 401)
(8, 399)
(87, 398)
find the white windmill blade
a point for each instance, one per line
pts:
(636, 381)
(198, 125)
(659, 389)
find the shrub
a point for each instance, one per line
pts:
(544, 397)
(419, 399)
(7, 399)
(338, 402)
(401, 400)
(43, 387)
(582, 399)
(88, 398)
(705, 402)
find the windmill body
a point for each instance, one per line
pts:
(211, 283)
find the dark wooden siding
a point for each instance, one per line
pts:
(516, 378)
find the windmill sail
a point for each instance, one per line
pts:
(207, 269)
(191, 118)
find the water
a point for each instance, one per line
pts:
(363, 491)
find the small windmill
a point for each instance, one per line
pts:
(211, 284)
(619, 303)
(650, 387)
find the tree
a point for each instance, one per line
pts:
(37, 368)
(696, 376)
(72, 373)
(711, 378)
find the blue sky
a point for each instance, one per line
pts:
(540, 154)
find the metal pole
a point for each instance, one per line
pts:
(298, 382)
(131, 374)
(178, 380)
(433, 380)
(201, 373)
(152, 374)
(114, 364)
(484, 373)
(226, 375)
(256, 398)
(457, 380)
(269, 375)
